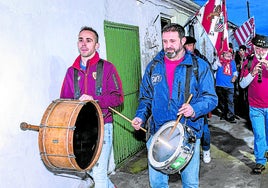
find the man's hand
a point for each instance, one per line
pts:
(234, 79)
(256, 69)
(186, 110)
(265, 63)
(85, 97)
(136, 123)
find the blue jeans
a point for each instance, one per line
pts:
(99, 172)
(189, 176)
(259, 121)
(205, 140)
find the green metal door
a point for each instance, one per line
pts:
(122, 46)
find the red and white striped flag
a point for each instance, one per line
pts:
(245, 33)
(213, 18)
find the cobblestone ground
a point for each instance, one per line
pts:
(230, 167)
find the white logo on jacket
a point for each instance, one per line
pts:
(156, 78)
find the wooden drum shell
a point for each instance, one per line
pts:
(71, 135)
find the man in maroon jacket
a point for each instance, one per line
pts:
(91, 78)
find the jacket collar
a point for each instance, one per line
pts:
(94, 60)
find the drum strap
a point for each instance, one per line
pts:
(76, 86)
(188, 76)
(187, 83)
(98, 80)
(195, 66)
(99, 77)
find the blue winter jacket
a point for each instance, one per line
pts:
(154, 94)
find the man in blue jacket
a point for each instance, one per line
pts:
(163, 94)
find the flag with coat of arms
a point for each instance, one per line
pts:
(213, 17)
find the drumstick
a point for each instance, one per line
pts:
(180, 116)
(160, 140)
(25, 126)
(125, 117)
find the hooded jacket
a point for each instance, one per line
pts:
(112, 91)
(154, 94)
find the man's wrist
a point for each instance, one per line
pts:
(252, 74)
(193, 114)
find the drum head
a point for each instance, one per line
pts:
(86, 135)
(165, 145)
(171, 149)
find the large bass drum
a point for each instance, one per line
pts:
(71, 135)
(171, 149)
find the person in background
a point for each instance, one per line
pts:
(231, 48)
(190, 46)
(205, 140)
(240, 98)
(225, 77)
(108, 93)
(240, 57)
(162, 95)
(256, 79)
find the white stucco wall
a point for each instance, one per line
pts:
(38, 43)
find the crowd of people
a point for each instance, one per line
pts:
(179, 71)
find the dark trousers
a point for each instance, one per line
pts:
(205, 139)
(226, 101)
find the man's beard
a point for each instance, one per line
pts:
(261, 55)
(171, 55)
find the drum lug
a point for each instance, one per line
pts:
(192, 139)
(42, 126)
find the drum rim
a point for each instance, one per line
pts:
(173, 157)
(72, 161)
(97, 152)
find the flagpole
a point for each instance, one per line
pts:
(190, 21)
(248, 9)
(225, 25)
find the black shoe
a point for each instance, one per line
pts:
(217, 112)
(258, 169)
(231, 119)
